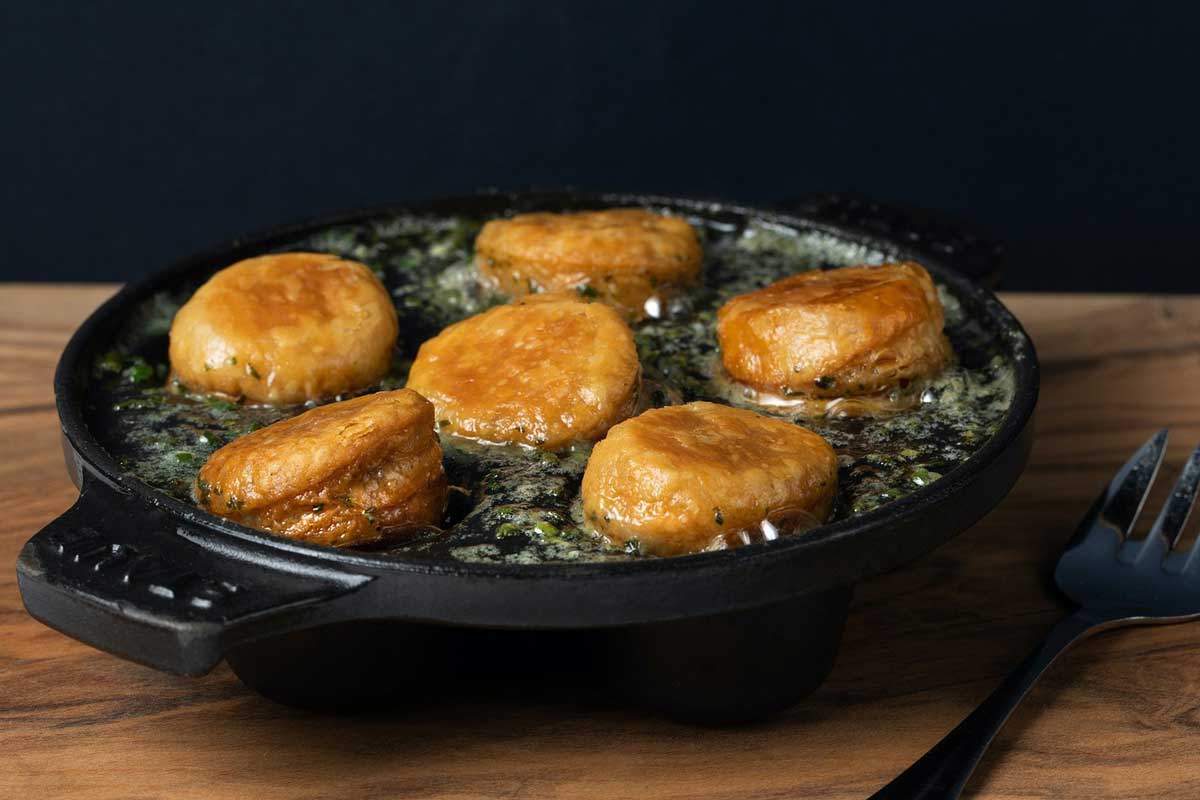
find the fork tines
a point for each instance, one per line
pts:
(1120, 504)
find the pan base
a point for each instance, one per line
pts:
(729, 668)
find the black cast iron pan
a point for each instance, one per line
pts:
(730, 634)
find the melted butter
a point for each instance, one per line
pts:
(788, 522)
(803, 407)
(519, 505)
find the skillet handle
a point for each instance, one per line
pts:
(120, 575)
(951, 241)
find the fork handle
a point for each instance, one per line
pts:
(942, 772)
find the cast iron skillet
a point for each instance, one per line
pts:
(719, 635)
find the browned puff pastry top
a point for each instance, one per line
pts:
(621, 256)
(838, 332)
(338, 474)
(285, 328)
(545, 371)
(687, 478)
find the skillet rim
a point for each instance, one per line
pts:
(72, 379)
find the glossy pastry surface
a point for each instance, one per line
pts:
(285, 328)
(704, 476)
(545, 371)
(834, 333)
(339, 474)
(622, 256)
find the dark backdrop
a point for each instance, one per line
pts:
(135, 133)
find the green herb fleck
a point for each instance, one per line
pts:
(220, 404)
(508, 529)
(111, 362)
(826, 382)
(924, 477)
(184, 458)
(718, 517)
(147, 400)
(318, 508)
(139, 371)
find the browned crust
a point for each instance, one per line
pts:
(285, 328)
(842, 332)
(545, 371)
(680, 479)
(623, 255)
(337, 474)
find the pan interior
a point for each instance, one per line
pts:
(521, 506)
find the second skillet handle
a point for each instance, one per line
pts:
(120, 575)
(952, 241)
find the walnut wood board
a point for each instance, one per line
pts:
(1119, 717)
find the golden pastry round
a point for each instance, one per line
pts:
(839, 332)
(339, 474)
(285, 328)
(703, 476)
(623, 255)
(545, 371)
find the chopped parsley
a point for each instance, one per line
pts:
(139, 371)
(508, 529)
(924, 477)
(112, 362)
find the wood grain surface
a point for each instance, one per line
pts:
(1119, 717)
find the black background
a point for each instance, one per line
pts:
(135, 133)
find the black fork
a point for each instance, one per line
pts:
(1116, 581)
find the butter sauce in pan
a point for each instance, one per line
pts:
(520, 505)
